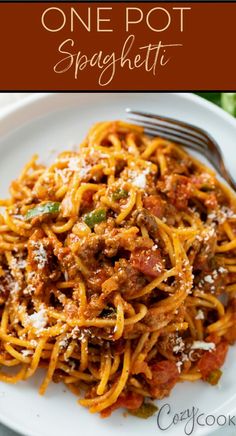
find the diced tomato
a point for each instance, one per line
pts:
(155, 205)
(212, 360)
(213, 337)
(130, 401)
(147, 261)
(87, 199)
(164, 376)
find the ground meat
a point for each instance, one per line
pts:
(205, 253)
(170, 214)
(178, 164)
(130, 279)
(67, 261)
(96, 278)
(154, 320)
(144, 218)
(118, 239)
(91, 245)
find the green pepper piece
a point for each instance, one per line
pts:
(95, 217)
(214, 377)
(119, 193)
(144, 411)
(42, 209)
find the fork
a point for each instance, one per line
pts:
(185, 134)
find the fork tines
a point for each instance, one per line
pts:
(185, 134)
(170, 129)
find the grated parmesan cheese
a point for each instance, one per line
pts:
(40, 254)
(26, 353)
(75, 332)
(29, 290)
(63, 343)
(18, 263)
(200, 314)
(221, 215)
(208, 279)
(66, 276)
(222, 270)
(140, 181)
(34, 342)
(14, 288)
(39, 319)
(158, 267)
(201, 345)
(73, 163)
(179, 365)
(179, 345)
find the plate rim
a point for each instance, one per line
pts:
(38, 97)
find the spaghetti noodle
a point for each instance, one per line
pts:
(118, 270)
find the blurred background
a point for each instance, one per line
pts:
(226, 100)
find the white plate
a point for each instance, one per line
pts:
(48, 122)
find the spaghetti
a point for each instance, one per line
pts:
(118, 270)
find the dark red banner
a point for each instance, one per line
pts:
(117, 46)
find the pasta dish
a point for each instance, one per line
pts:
(118, 271)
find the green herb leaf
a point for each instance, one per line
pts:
(144, 411)
(119, 193)
(95, 217)
(51, 207)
